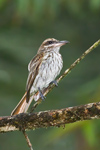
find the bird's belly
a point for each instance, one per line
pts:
(48, 71)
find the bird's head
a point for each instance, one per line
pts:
(51, 44)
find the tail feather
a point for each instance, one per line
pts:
(23, 106)
(20, 108)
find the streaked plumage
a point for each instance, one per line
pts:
(43, 69)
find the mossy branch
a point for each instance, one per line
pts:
(44, 119)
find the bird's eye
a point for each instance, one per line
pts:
(50, 42)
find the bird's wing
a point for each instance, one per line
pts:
(33, 68)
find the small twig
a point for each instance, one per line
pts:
(27, 140)
(50, 87)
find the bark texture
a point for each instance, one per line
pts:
(44, 119)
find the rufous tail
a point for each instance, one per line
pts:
(22, 106)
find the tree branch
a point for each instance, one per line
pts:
(50, 118)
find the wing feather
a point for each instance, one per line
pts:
(33, 68)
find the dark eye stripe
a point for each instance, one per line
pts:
(50, 42)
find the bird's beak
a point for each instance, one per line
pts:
(61, 43)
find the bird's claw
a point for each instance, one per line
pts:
(55, 82)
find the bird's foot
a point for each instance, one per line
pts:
(41, 95)
(55, 82)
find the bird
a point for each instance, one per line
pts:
(43, 69)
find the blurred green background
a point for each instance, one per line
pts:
(24, 25)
